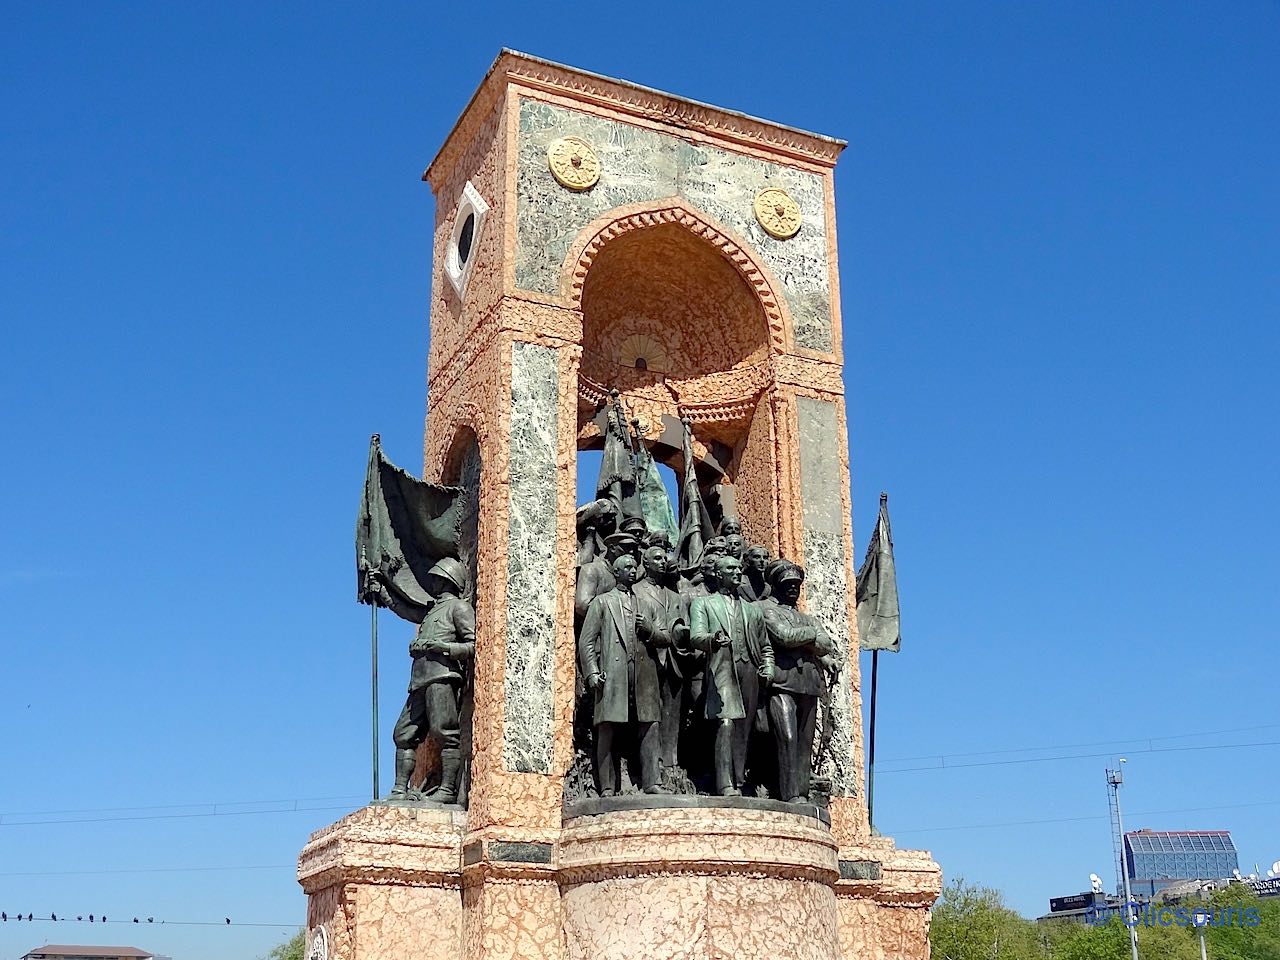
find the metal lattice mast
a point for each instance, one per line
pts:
(1114, 779)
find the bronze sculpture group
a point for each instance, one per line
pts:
(674, 663)
(696, 671)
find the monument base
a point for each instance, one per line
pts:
(690, 882)
(385, 882)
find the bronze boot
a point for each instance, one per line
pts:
(450, 770)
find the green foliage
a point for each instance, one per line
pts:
(295, 948)
(973, 923)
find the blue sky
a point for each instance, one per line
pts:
(1058, 242)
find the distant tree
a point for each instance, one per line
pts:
(295, 948)
(1236, 941)
(973, 923)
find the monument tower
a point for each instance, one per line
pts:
(602, 247)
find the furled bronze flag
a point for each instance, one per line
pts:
(405, 526)
(654, 502)
(879, 623)
(689, 549)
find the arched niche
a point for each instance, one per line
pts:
(463, 467)
(677, 326)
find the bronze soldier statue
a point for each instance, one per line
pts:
(595, 577)
(739, 661)
(799, 642)
(444, 644)
(619, 663)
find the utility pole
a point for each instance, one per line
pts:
(1114, 779)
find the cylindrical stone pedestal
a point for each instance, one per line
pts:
(699, 884)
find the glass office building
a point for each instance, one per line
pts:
(1154, 859)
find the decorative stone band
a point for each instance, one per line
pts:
(667, 108)
(860, 870)
(653, 105)
(744, 843)
(735, 395)
(382, 844)
(506, 851)
(890, 877)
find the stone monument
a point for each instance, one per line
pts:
(663, 701)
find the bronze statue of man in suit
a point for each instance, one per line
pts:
(671, 621)
(754, 585)
(739, 662)
(799, 643)
(619, 662)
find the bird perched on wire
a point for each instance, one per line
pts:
(53, 917)
(228, 919)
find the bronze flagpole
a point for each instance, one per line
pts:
(871, 761)
(373, 645)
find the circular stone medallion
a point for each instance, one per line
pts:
(777, 213)
(573, 163)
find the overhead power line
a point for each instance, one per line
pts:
(1032, 823)
(110, 870)
(1080, 746)
(943, 765)
(29, 917)
(38, 819)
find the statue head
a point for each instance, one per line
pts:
(634, 526)
(618, 544)
(448, 576)
(730, 525)
(655, 562)
(707, 566)
(727, 572)
(658, 538)
(734, 545)
(625, 569)
(786, 578)
(756, 559)
(673, 568)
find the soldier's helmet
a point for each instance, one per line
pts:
(451, 570)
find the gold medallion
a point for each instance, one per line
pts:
(777, 213)
(573, 163)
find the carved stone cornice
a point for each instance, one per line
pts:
(631, 98)
(383, 844)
